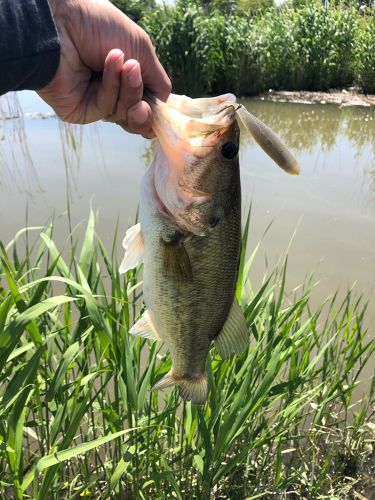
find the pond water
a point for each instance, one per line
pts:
(325, 218)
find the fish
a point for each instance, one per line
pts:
(189, 234)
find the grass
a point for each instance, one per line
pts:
(287, 419)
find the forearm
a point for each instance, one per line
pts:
(29, 45)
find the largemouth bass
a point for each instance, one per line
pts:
(189, 235)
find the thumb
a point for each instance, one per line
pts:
(154, 77)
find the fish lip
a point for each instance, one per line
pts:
(170, 120)
(228, 109)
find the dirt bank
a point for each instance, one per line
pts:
(345, 97)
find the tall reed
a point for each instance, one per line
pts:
(365, 55)
(293, 413)
(310, 47)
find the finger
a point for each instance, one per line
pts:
(108, 92)
(155, 79)
(134, 114)
(131, 89)
(139, 120)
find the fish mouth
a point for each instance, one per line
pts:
(188, 124)
(189, 133)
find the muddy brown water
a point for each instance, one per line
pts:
(325, 218)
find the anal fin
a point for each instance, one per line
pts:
(144, 328)
(234, 336)
(134, 246)
(192, 389)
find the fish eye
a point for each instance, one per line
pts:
(229, 150)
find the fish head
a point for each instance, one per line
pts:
(197, 159)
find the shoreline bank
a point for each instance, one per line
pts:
(342, 98)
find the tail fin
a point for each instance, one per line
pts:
(193, 389)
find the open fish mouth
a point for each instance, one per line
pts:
(191, 123)
(196, 121)
(198, 142)
(190, 133)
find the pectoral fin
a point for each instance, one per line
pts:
(269, 142)
(134, 246)
(176, 261)
(234, 336)
(144, 328)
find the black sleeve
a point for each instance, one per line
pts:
(29, 45)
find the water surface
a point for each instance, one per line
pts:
(325, 218)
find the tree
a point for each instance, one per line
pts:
(226, 6)
(134, 8)
(232, 6)
(254, 5)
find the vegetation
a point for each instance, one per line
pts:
(250, 46)
(288, 417)
(232, 6)
(135, 8)
(365, 57)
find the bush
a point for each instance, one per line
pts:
(188, 44)
(365, 56)
(135, 9)
(206, 50)
(277, 49)
(240, 69)
(324, 41)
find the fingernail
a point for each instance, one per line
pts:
(116, 53)
(134, 76)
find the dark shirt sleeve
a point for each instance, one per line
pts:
(29, 45)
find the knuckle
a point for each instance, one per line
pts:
(146, 39)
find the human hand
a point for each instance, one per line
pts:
(105, 62)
